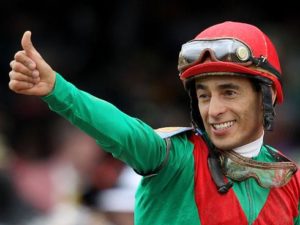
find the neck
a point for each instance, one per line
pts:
(251, 149)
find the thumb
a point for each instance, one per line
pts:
(27, 44)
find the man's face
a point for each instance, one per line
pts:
(231, 110)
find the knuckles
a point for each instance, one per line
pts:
(19, 55)
(12, 85)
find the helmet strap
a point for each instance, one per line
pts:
(268, 108)
(196, 119)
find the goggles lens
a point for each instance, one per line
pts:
(225, 50)
(267, 174)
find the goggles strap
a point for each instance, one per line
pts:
(263, 63)
(268, 108)
(278, 156)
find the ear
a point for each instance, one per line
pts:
(274, 94)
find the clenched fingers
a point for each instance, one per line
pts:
(18, 86)
(22, 58)
(21, 68)
(13, 75)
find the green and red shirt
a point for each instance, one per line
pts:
(183, 191)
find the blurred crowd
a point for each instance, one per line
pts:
(124, 52)
(54, 174)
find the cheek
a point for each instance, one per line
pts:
(253, 114)
(203, 110)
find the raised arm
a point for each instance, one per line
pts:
(127, 138)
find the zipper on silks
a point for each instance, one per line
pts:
(250, 201)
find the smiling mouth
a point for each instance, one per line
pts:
(223, 126)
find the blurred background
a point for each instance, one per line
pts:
(124, 52)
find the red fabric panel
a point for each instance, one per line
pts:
(213, 208)
(282, 205)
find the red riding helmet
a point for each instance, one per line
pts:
(234, 47)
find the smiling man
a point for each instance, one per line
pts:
(217, 172)
(231, 110)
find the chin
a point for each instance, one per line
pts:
(224, 146)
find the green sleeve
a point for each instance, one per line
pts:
(127, 138)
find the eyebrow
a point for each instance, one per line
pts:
(221, 86)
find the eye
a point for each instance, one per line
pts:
(203, 97)
(230, 93)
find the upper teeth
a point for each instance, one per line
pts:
(221, 126)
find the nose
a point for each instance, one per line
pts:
(216, 107)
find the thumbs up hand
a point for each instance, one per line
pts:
(30, 74)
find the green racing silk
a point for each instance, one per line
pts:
(183, 191)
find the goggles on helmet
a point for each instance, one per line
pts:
(225, 50)
(267, 174)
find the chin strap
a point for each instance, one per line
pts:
(268, 108)
(215, 166)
